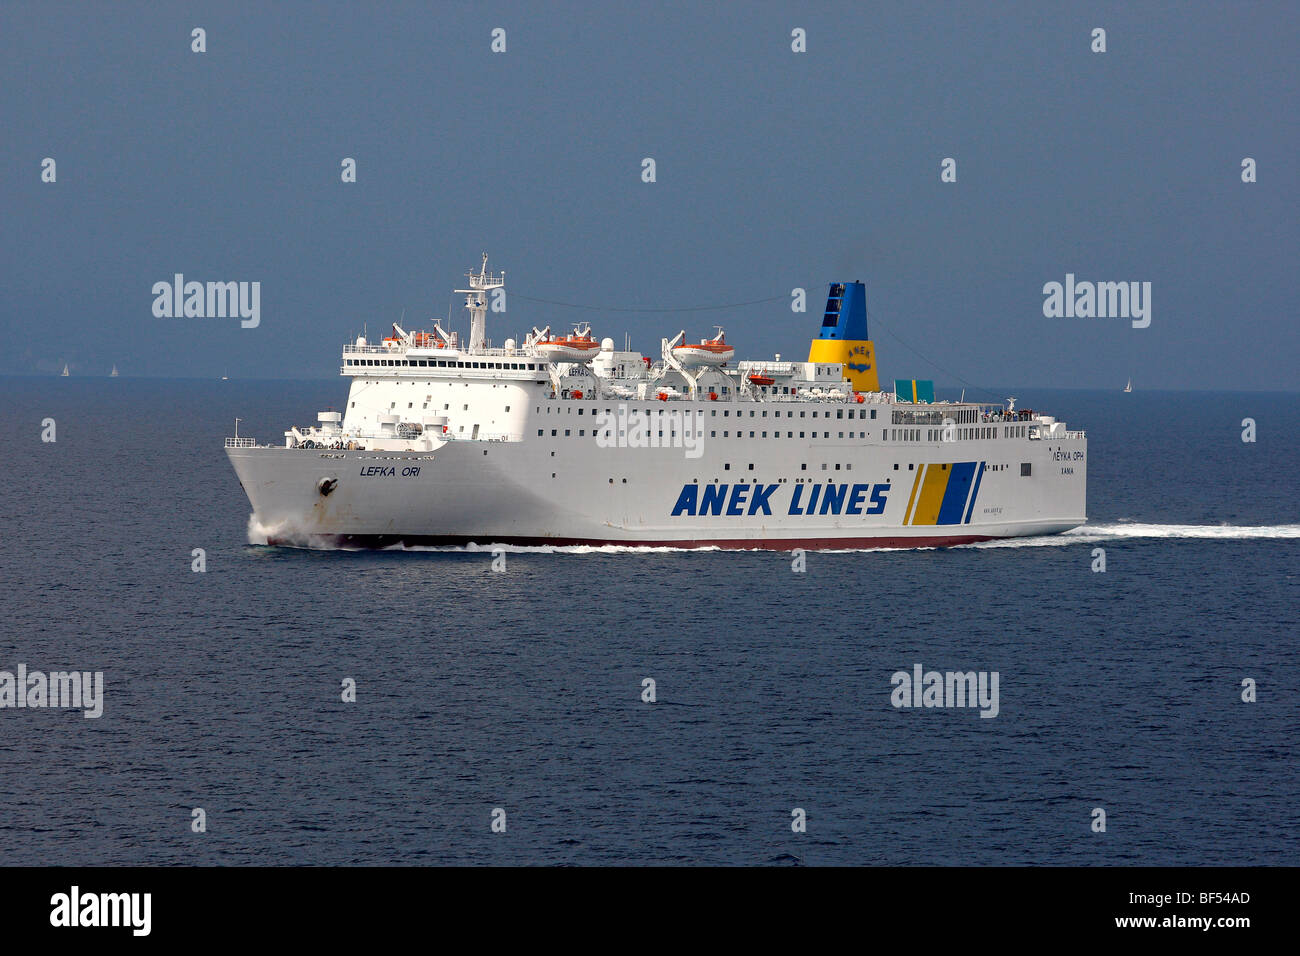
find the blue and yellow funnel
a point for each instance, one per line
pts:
(843, 336)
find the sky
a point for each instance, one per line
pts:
(774, 170)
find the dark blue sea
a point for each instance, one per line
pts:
(522, 690)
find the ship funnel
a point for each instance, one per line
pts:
(844, 339)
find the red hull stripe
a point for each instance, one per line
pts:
(729, 544)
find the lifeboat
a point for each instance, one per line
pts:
(762, 378)
(714, 351)
(579, 347)
(426, 340)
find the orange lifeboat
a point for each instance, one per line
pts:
(426, 340)
(578, 347)
(762, 378)
(714, 351)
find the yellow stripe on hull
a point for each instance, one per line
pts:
(932, 489)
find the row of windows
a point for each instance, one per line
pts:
(672, 433)
(726, 412)
(779, 481)
(1026, 470)
(441, 363)
(959, 434)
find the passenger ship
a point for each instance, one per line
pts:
(566, 440)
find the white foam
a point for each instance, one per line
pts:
(1090, 533)
(259, 533)
(284, 534)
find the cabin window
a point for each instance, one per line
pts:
(1026, 469)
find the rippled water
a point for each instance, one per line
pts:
(522, 690)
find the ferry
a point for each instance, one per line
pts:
(567, 440)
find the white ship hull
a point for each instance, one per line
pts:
(459, 494)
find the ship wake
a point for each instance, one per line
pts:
(286, 535)
(1092, 533)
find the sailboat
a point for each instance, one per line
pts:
(65, 371)
(113, 374)
(1129, 387)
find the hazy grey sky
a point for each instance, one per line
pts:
(774, 169)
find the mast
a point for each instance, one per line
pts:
(480, 285)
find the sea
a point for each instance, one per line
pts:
(1148, 714)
